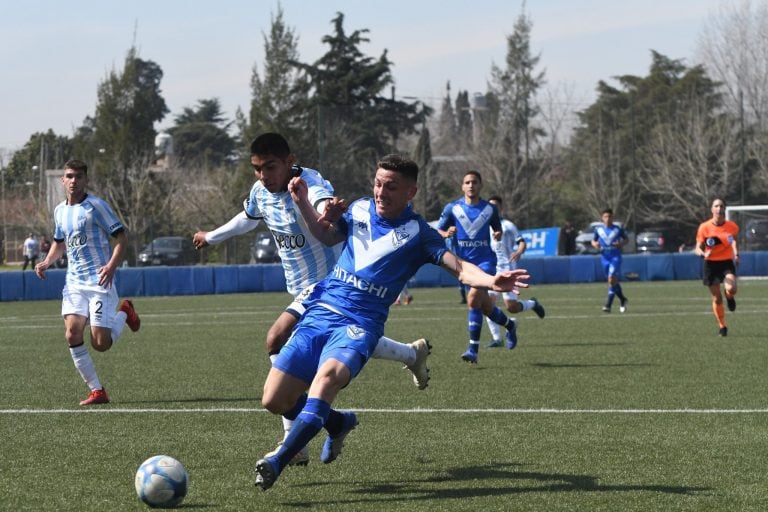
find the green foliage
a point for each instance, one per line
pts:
(355, 124)
(42, 150)
(200, 136)
(548, 426)
(277, 98)
(129, 103)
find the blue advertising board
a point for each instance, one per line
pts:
(541, 241)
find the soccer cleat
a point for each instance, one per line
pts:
(300, 459)
(266, 473)
(419, 367)
(132, 317)
(606, 309)
(731, 303)
(538, 308)
(469, 356)
(494, 344)
(333, 445)
(623, 306)
(723, 332)
(511, 334)
(97, 396)
(408, 299)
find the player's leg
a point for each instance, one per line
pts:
(74, 309)
(731, 288)
(493, 327)
(475, 299)
(490, 310)
(106, 324)
(717, 308)
(277, 335)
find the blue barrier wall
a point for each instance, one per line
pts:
(201, 280)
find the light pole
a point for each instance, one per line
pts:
(5, 215)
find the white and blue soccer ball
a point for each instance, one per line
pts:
(161, 481)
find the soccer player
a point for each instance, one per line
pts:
(508, 251)
(474, 221)
(609, 238)
(83, 225)
(305, 259)
(716, 242)
(386, 243)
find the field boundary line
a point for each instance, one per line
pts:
(387, 411)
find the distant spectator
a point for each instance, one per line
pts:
(567, 240)
(31, 250)
(45, 246)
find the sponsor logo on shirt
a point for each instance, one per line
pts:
(360, 284)
(289, 242)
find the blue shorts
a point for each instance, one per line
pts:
(322, 334)
(612, 265)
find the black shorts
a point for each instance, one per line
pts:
(715, 271)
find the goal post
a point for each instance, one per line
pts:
(753, 225)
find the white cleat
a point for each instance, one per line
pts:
(419, 367)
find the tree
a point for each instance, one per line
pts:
(505, 129)
(200, 136)
(353, 121)
(277, 98)
(447, 128)
(129, 104)
(640, 144)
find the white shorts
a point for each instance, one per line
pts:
(298, 306)
(93, 302)
(513, 295)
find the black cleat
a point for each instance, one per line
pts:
(731, 303)
(723, 332)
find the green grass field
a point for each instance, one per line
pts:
(644, 411)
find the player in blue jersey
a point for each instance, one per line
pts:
(305, 259)
(385, 244)
(84, 224)
(474, 221)
(609, 239)
(509, 249)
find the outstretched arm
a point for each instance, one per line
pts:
(472, 275)
(322, 226)
(237, 225)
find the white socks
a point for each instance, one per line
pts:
(84, 364)
(392, 350)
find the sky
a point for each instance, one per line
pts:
(54, 53)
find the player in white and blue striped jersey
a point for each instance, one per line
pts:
(474, 221)
(305, 259)
(84, 225)
(509, 249)
(385, 244)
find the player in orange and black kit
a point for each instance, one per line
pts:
(716, 243)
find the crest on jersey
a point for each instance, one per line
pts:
(355, 332)
(399, 237)
(361, 224)
(712, 241)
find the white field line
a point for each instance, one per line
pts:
(228, 410)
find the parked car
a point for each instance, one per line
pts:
(585, 236)
(651, 242)
(756, 235)
(168, 250)
(264, 249)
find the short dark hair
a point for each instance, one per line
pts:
(76, 165)
(270, 144)
(475, 174)
(496, 198)
(715, 198)
(607, 210)
(400, 164)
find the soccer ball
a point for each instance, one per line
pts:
(161, 481)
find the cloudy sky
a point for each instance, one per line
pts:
(54, 53)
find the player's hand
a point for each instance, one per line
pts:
(106, 275)
(298, 189)
(451, 231)
(510, 279)
(334, 208)
(40, 269)
(198, 240)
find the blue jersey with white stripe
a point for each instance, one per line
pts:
(378, 258)
(607, 236)
(85, 229)
(305, 259)
(474, 223)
